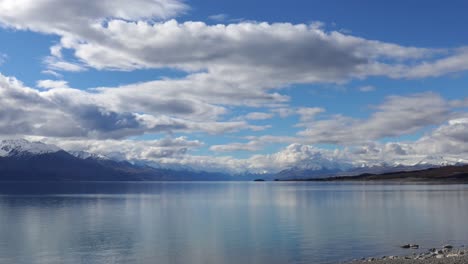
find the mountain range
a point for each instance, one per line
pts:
(22, 160)
(447, 174)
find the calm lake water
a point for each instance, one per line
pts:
(224, 222)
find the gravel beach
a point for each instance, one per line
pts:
(445, 255)
(448, 260)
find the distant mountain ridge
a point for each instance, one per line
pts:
(24, 160)
(451, 173)
(346, 171)
(21, 160)
(13, 147)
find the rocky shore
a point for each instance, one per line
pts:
(445, 255)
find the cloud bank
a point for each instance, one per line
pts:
(225, 67)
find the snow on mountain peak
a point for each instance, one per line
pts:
(87, 155)
(12, 147)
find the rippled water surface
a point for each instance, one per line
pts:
(224, 222)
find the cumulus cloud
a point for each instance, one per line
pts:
(61, 111)
(397, 116)
(292, 155)
(450, 138)
(42, 15)
(227, 66)
(125, 36)
(52, 84)
(168, 147)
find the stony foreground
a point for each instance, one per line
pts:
(446, 255)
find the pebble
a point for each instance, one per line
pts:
(447, 251)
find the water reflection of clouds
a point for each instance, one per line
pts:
(228, 222)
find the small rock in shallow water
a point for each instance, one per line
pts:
(406, 246)
(448, 246)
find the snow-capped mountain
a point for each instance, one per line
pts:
(15, 147)
(47, 157)
(87, 155)
(323, 167)
(21, 160)
(440, 161)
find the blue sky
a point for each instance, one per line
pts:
(261, 85)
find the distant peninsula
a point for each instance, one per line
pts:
(455, 174)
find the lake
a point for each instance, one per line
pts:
(224, 222)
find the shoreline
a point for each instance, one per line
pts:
(445, 255)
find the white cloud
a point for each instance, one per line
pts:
(456, 62)
(53, 73)
(258, 116)
(292, 155)
(219, 17)
(450, 138)
(367, 88)
(249, 146)
(76, 21)
(254, 143)
(227, 66)
(397, 116)
(52, 84)
(58, 64)
(128, 149)
(312, 54)
(308, 114)
(60, 111)
(68, 16)
(125, 36)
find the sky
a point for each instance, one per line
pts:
(238, 86)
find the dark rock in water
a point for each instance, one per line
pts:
(412, 246)
(259, 180)
(448, 246)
